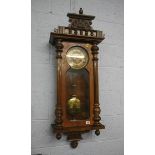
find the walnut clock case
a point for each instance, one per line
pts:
(77, 108)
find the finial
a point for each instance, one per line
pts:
(80, 11)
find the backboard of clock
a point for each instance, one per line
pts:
(77, 108)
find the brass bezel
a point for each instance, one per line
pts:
(82, 51)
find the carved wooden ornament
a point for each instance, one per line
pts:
(77, 109)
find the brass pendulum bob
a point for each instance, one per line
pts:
(73, 105)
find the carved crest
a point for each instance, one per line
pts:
(80, 21)
(79, 29)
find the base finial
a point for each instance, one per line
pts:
(74, 144)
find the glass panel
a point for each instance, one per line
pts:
(77, 104)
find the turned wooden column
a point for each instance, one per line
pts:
(58, 110)
(97, 110)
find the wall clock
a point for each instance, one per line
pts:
(77, 108)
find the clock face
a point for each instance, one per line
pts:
(77, 57)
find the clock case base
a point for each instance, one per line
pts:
(74, 133)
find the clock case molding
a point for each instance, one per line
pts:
(79, 32)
